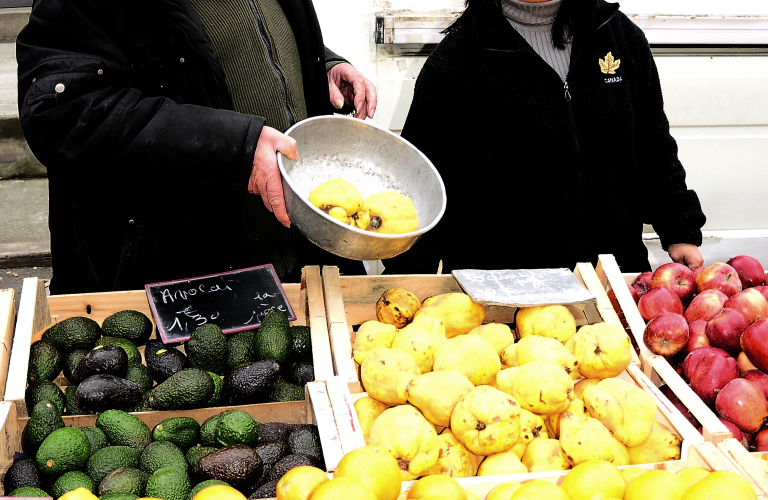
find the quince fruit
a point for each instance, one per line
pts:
(620, 454)
(409, 438)
(371, 336)
(581, 385)
(456, 310)
(391, 213)
(421, 339)
(541, 387)
(386, 374)
(502, 463)
(471, 355)
(535, 347)
(661, 445)
(553, 421)
(396, 306)
(374, 468)
(625, 409)
(431, 487)
(585, 439)
(602, 350)
(454, 459)
(544, 455)
(342, 488)
(498, 334)
(436, 394)
(486, 421)
(337, 193)
(368, 410)
(554, 321)
(299, 482)
(532, 427)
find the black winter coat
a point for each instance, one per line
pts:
(126, 105)
(540, 173)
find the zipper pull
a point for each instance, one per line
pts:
(567, 93)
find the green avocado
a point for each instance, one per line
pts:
(46, 358)
(44, 390)
(134, 356)
(71, 360)
(169, 483)
(118, 496)
(181, 431)
(74, 333)
(273, 338)
(124, 480)
(188, 388)
(71, 481)
(208, 431)
(241, 349)
(218, 388)
(283, 391)
(302, 342)
(159, 454)
(71, 399)
(237, 427)
(28, 492)
(140, 374)
(203, 485)
(128, 324)
(124, 429)
(64, 450)
(104, 461)
(96, 437)
(207, 348)
(195, 453)
(45, 419)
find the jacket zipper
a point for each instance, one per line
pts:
(272, 60)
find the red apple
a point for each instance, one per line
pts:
(677, 278)
(642, 283)
(759, 441)
(758, 378)
(743, 362)
(711, 375)
(694, 358)
(750, 303)
(666, 334)
(743, 404)
(705, 305)
(754, 343)
(657, 300)
(737, 434)
(751, 272)
(697, 337)
(725, 329)
(679, 404)
(719, 276)
(698, 271)
(763, 289)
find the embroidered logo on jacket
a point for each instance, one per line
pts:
(608, 65)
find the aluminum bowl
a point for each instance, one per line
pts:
(374, 160)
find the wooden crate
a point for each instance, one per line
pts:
(357, 305)
(37, 312)
(313, 410)
(7, 320)
(751, 465)
(655, 367)
(351, 301)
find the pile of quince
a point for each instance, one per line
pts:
(449, 395)
(386, 213)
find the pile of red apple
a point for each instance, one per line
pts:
(712, 325)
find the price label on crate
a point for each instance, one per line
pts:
(234, 301)
(523, 287)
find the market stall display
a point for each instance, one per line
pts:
(41, 351)
(711, 376)
(7, 320)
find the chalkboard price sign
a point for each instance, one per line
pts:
(234, 301)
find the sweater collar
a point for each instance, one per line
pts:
(531, 13)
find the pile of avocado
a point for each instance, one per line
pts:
(104, 366)
(123, 459)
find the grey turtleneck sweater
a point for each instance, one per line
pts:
(534, 22)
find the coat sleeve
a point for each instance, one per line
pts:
(673, 209)
(83, 119)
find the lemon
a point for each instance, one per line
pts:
(546, 321)
(656, 484)
(632, 473)
(219, 492)
(692, 475)
(299, 483)
(538, 490)
(79, 494)
(374, 468)
(437, 486)
(594, 479)
(503, 491)
(342, 488)
(720, 485)
(502, 463)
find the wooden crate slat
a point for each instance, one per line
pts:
(321, 346)
(326, 424)
(7, 323)
(751, 465)
(657, 368)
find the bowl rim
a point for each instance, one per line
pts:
(419, 231)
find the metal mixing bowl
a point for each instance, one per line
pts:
(373, 160)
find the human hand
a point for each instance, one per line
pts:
(265, 177)
(348, 86)
(686, 254)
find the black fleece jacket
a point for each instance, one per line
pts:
(126, 104)
(540, 173)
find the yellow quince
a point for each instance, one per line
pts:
(661, 445)
(544, 455)
(370, 337)
(454, 459)
(337, 193)
(458, 312)
(386, 374)
(391, 213)
(625, 409)
(368, 410)
(541, 387)
(486, 421)
(553, 321)
(602, 350)
(544, 348)
(436, 394)
(471, 355)
(409, 437)
(396, 306)
(421, 339)
(498, 334)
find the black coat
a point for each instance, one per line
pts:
(145, 156)
(540, 173)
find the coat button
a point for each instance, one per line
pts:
(130, 221)
(59, 88)
(181, 60)
(101, 72)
